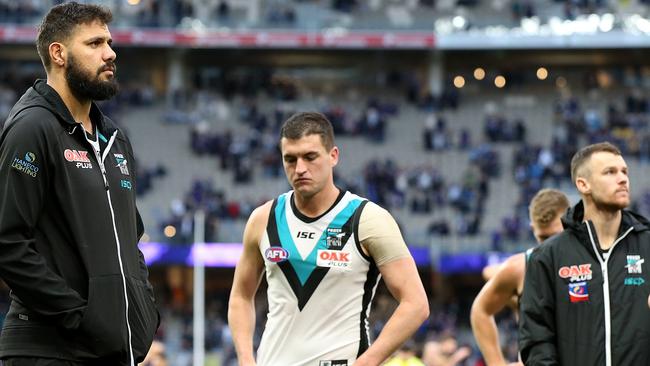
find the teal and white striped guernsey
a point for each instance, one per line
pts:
(320, 285)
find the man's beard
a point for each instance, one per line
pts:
(611, 206)
(85, 87)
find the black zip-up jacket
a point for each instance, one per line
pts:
(582, 307)
(68, 238)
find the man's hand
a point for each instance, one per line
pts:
(461, 354)
(403, 282)
(365, 361)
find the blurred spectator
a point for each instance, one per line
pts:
(444, 351)
(345, 6)
(406, 355)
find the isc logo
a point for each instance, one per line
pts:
(276, 254)
(305, 235)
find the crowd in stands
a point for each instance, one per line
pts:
(423, 189)
(420, 189)
(213, 202)
(292, 14)
(623, 120)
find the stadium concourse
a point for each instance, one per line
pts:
(452, 135)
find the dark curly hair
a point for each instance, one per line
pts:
(59, 23)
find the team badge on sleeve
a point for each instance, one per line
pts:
(26, 165)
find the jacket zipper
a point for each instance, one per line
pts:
(603, 268)
(100, 161)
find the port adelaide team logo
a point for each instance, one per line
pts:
(121, 163)
(334, 237)
(634, 267)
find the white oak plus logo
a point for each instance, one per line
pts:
(333, 259)
(78, 156)
(580, 272)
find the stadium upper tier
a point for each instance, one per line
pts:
(444, 24)
(471, 196)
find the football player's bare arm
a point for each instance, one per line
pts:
(381, 238)
(493, 298)
(248, 275)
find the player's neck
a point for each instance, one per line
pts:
(607, 224)
(316, 205)
(79, 109)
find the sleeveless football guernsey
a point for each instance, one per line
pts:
(320, 285)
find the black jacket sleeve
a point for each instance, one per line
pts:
(537, 337)
(144, 271)
(24, 181)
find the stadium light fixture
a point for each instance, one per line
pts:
(479, 73)
(542, 73)
(641, 23)
(594, 21)
(443, 26)
(500, 81)
(170, 231)
(459, 22)
(459, 82)
(530, 25)
(335, 32)
(606, 22)
(133, 2)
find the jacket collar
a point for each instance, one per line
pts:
(574, 217)
(55, 104)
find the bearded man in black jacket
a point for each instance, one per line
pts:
(69, 226)
(585, 298)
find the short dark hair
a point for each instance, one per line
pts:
(583, 155)
(309, 123)
(59, 23)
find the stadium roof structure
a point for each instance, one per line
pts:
(585, 32)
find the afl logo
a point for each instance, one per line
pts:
(276, 254)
